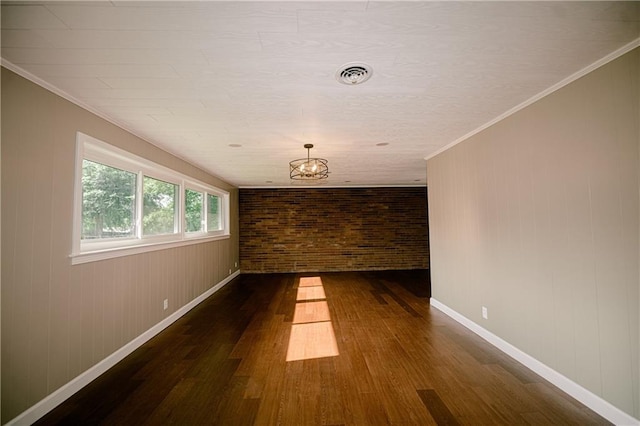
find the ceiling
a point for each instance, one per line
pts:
(199, 78)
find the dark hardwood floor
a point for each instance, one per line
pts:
(398, 362)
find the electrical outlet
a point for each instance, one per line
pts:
(485, 312)
(236, 264)
(166, 303)
(229, 271)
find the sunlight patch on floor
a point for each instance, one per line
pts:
(311, 312)
(312, 334)
(310, 282)
(311, 293)
(312, 340)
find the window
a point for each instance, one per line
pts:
(126, 205)
(108, 202)
(193, 210)
(159, 207)
(214, 213)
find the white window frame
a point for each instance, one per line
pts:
(83, 251)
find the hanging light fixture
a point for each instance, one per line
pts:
(308, 168)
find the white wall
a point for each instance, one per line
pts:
(537, 219)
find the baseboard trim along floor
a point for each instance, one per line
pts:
(591, 400)
(35, 412)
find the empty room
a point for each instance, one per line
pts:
(320, 212)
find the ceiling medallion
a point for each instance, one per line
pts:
(354, 73)
(308, 168)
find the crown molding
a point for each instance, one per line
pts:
(573, 77)
(57, 91)
(64, 95)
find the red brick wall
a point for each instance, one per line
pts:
(327, 229)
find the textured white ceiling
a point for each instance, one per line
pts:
(196, 77)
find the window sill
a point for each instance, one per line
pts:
(96, 255)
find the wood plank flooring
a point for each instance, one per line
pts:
(399, 362)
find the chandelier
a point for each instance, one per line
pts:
(308, 168)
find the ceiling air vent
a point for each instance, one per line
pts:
(354, 73)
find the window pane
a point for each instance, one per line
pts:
(214, 222)
(108, 201)
(159, 207)
(193, 207)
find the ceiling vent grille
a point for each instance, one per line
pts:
(354, 73)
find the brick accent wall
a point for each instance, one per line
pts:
(328, 229)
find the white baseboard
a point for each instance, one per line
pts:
(35, 412)
(591, 400)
